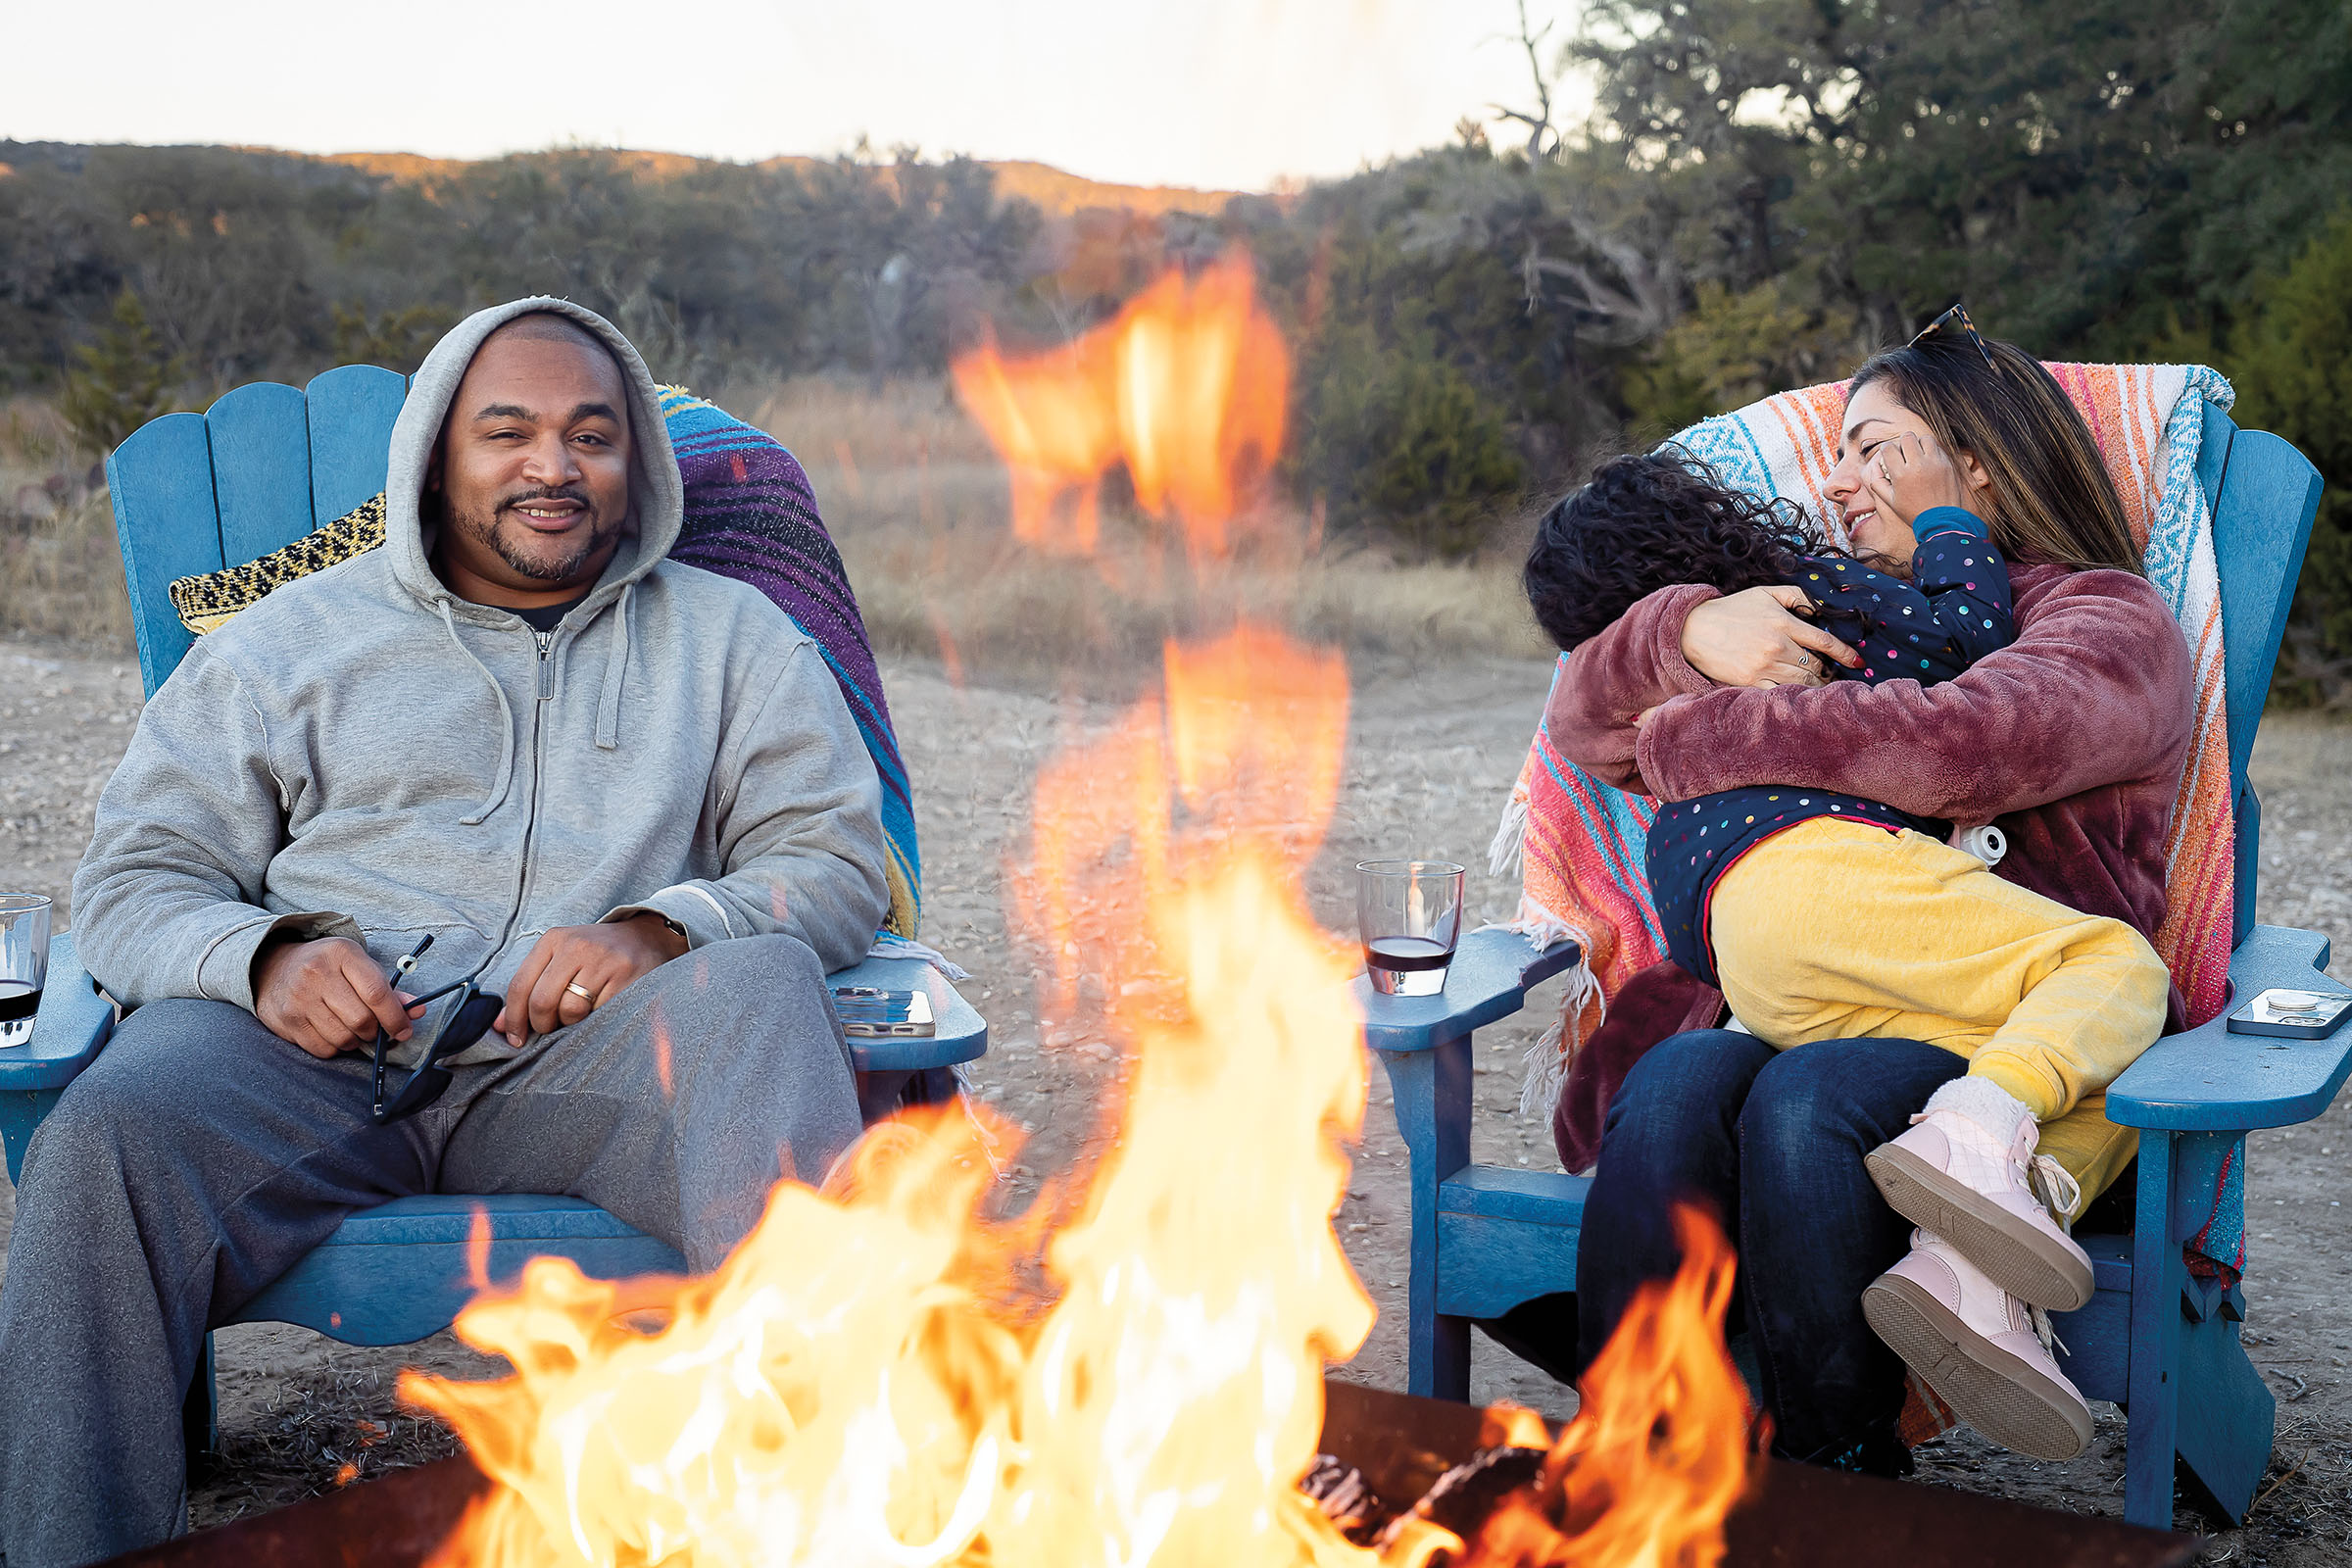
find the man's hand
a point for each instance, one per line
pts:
(600, 959)
(327, 997)
(1750, 639)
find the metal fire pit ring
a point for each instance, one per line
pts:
(1802, 1518)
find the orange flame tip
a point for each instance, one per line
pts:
(1188, 387)
(477, 1250)
(661, 1061)
(1513, 1426)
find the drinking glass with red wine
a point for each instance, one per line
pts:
(24, 963)
(1410, 912)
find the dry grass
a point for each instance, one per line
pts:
(918, 505)
(61, 572)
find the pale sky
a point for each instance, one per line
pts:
(1211, 93)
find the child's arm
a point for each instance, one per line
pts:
(1954, 611)
(1960, 570)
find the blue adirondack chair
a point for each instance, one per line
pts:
(193, 493)
(2155, 1340)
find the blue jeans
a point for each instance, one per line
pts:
(1771, 1142)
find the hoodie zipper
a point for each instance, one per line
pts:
(530, 822)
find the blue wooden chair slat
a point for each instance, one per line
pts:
(2259, 549)
(261, 468)
(1486, 1239)
(350, 410)
(395, 1274)
(2263, 510)
(1516, 1227)
(192, 493)
(169, 525)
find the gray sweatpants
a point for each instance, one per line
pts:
(201, 1157)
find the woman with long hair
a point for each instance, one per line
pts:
(2072, 739)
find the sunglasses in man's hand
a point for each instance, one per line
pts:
(466, 1022)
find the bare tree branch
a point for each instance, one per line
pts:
(1542, 140)
(1637, 307)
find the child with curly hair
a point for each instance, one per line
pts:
(1822, 915)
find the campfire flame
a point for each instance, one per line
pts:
(1188, 387)
(888, 1372)
(1658, 1453)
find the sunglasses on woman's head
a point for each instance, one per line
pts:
(1956, 317)
(464, 1024)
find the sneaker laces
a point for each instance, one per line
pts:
(2045, 1331)
(2057, 1189)
(2051, 1182)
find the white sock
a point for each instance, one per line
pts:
(1986, 1103)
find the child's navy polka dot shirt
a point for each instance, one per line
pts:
(1953, 611)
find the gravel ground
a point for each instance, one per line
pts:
(1432, 753)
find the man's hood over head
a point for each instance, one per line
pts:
(657, 497)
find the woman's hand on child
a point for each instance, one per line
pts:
(1750, 638)
(1906, 474)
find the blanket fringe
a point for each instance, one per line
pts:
(1545, 1070)
(1549, 1059)
(890, 945)
(992, 1146)
(1505, 854)
(1540, 926)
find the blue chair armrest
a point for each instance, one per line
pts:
(1488, 979)
(2207, 1079)
(73, 1022)
(69, 1031)
(962, 1033)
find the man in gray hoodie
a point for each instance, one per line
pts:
(621, 793)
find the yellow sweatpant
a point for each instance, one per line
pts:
(1838, 930)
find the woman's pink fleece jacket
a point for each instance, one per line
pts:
(2072, 739)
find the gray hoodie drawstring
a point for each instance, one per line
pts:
(617, 670)
(506, 728)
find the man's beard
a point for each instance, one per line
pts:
(486, 532)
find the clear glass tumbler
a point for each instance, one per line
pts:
(24, 963)
(1410, 913)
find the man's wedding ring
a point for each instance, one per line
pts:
(582, 992)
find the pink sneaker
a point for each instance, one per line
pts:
(1980, 1348)
(1963, 1172)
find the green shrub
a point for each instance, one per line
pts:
(123, 379)
(1402, 441)
(395, 339)
(1442, 465)
(1733, 348)
(2293, 370)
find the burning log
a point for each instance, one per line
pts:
(1340, 1490)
